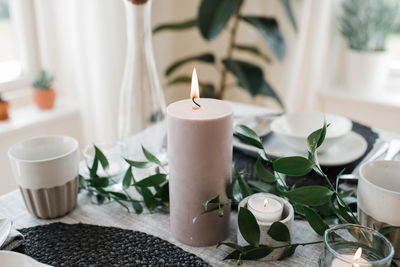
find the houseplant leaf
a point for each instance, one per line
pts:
(249, 76)
(206, 57)
(183, 25)
(127, 181)
(101, 157)
(254, 50)
(248, 136)
(263, 187)
(289, 12)
(279, 232)
(263, 173)
(248, 227)
(267, 90)
(313, 195)
(150, 157)
(257, 253)
(214, 15)
(153, 180)
(269, 30)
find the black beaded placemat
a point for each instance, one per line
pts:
(244, 162)
(60, 244)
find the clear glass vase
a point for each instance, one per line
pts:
(142, 103)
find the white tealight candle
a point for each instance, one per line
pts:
(356, 260)
(265, 208)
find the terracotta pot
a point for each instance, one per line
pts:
(44, 99)
(3, 110)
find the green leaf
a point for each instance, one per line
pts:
(231, 245)
(206, 211)
(99, 182)
(388, 229)
(148, 198)
(342, 213)
(267, 90)
(127, 181)
(315, 221)
(118, 195)
(244, 187)
(393, 264)
(150, 157)
(289, 251)
(348, 197)
(248, 227)
(289, 13)
(269, 30)
(294, 166)
(214, 15)
(316, 138)
(249, 76)
(101, 157)
(279, 232)
(252, 50)
(153, 180)
(263, 187)
(95, 166)
(82, 182)
(214, 199)
(248, 136)
(137, 206)
(206, 57)
(121, 203)
(234, 255)
(257, 253)
(313, 195)
(263, 173)
(139, 164)
(183, 25)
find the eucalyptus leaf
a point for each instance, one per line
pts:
(206, 58)
(248, 227)
(289, 13)
(279, 232)
(139, 164)
(214, 15)
(294, 166)
(388, 229)
(263, 187)
(153, 180)
(249, 76)
(127, 181)
(257, 253)
(248, 136)
(313, 195)
(254, 50)
(183, 25)
(269, 30)
(315, 221)
(150, 157)
(263, 173)
(99, 182)
(101, 157)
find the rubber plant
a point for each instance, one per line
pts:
(213, 17)
(43, 93)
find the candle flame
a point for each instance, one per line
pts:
(265, 202)
(357, 257)
(194, 92)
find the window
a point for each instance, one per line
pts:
(18, 44)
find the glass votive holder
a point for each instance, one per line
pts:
(355, 246)
(115, 154)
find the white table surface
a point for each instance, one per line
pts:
(111, 214)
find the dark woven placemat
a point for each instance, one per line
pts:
(247, 163)
(61, 244)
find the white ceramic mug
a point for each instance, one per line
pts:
(46, 171)
(379, 197)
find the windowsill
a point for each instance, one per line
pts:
(30, 115)
(387, 97)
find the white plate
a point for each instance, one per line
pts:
(5, 228)
(10, 258)
(348, 149)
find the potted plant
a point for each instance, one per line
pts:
(365, 25)
(3, 109)
(44, 94)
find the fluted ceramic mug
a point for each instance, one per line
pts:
(379, 197)
(46, 172)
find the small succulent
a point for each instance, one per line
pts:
(43, 81)
(367, 23)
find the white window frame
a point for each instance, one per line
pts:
(23, 19)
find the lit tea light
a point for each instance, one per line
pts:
(265, 208)
(356, 258)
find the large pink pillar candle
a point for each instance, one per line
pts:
(200, 167)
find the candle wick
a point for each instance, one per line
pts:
(197, 104)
